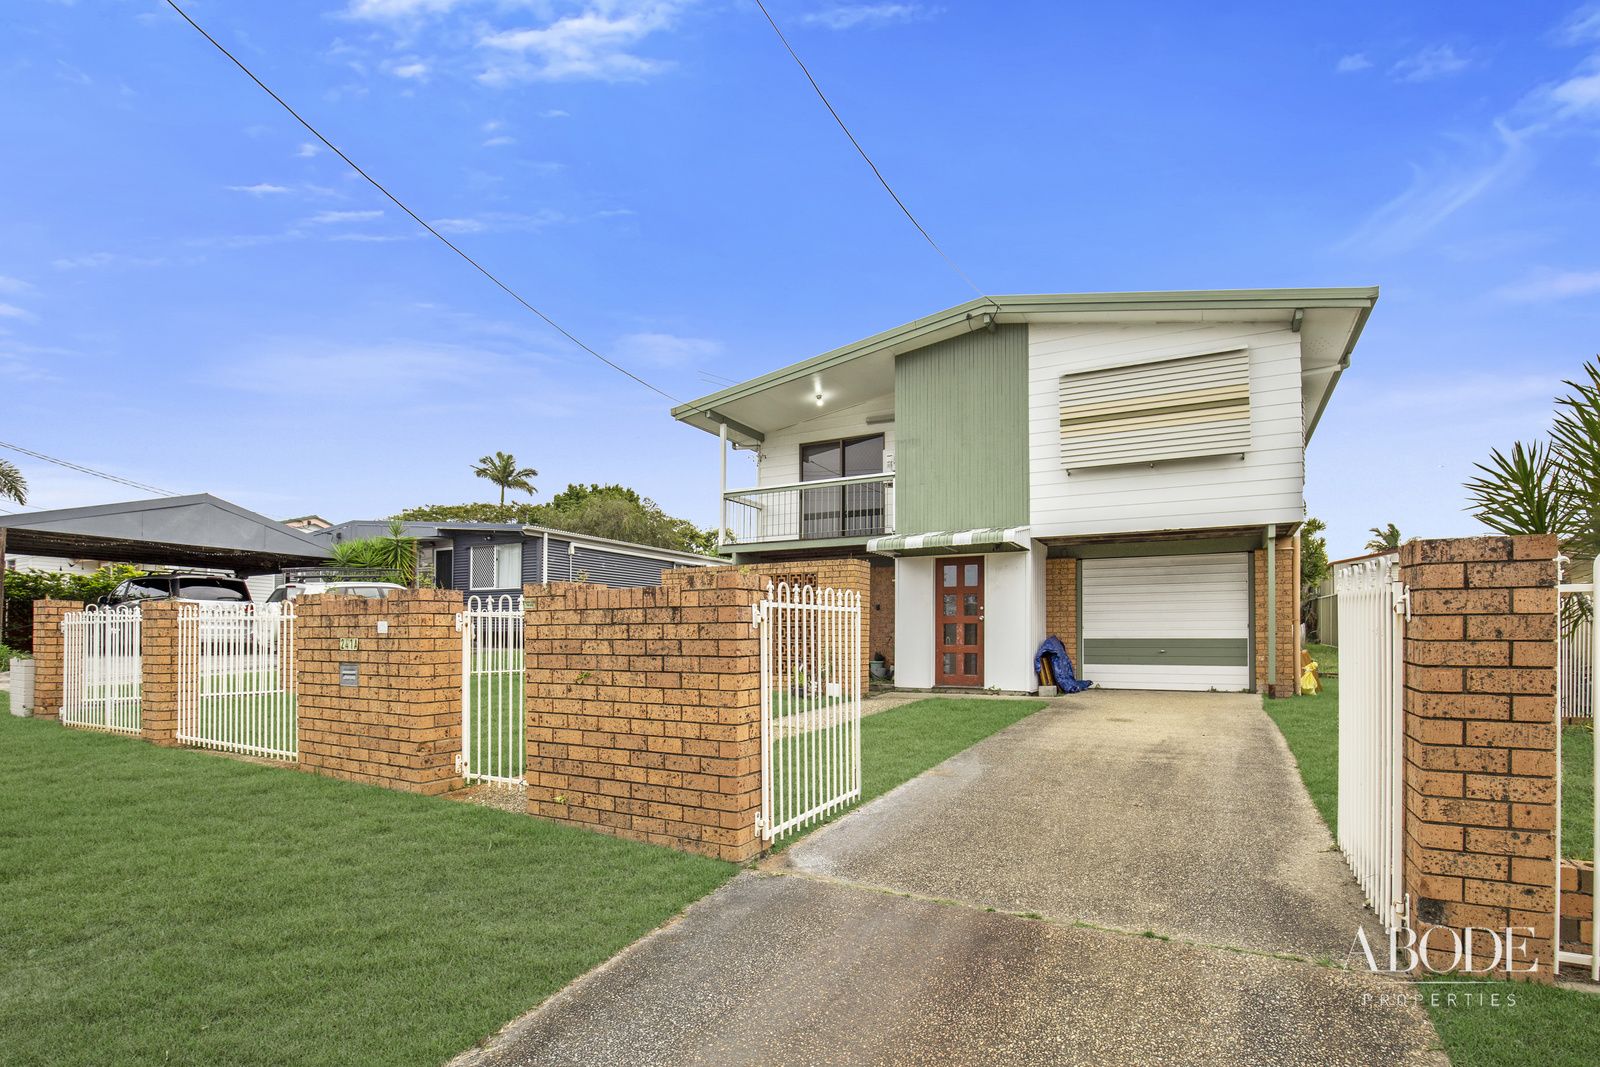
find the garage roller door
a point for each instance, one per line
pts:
(1167, 622)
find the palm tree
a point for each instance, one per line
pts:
(13, 486)
(501, 469)
(1384, 538)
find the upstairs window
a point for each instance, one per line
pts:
(842, 510)
(1180, 408)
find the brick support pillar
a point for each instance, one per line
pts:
(1061, 603)
(1480, 737)
(49, 651)
(1286, 564)
(158, 656)
(399, 724)
(644, 710)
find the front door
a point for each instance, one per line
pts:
(958, 607)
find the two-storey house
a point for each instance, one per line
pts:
(1123, 470)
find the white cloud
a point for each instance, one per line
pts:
(398, 9)
(96, 260)
(11, 311)
(555, 113)
(1579, 96)
(307, 149)
(495, 221)
(335, 218)
(498, 141)
(1435, 196)
(459, 225)
(260, 189)
(849, 16)
(1552, 285)
(415, 69)
(1582, 25)
(665, 349)
(493, 126)
(13, 285)
(1349, 64)
(1429, 64)
(595, 44)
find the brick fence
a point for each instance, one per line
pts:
(158, 656)
(49, 655)
(644, 709)
(1577, 906)
(380, 688)
(1480, 736)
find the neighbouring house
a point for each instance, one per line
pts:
(1122, 470)
(307, 523)
(499, 558)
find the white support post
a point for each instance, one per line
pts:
(722, 492)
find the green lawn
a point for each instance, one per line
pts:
(161, 905)
(901, 743)
(1534, 1026)
(1577, 792)
(1311, 727)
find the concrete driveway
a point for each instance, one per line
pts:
(1112, 880)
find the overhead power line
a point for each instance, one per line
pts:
(81, 469)
(418, 219)
(901, 204)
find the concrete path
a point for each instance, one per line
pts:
(991, 912)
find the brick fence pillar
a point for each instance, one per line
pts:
(380, 688)
(49, 653)
(158, 657)
(1480, 737)
(644, 709)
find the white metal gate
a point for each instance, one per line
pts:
(102, 670)
(810, 704)
(1588, 691)
(494, 741)
(236, 679)
(1577, 658)
(1372, 728)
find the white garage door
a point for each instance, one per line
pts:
(1167, 622)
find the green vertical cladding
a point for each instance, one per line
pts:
(961, 433)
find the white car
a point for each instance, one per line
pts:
(371, 590)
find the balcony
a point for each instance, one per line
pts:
(835, 509)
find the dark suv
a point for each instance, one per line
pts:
(209, 588)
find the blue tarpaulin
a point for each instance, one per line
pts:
(1060, 666)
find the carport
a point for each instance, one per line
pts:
(174, 531)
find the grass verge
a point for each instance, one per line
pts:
(159, 905)
(1488, 1024)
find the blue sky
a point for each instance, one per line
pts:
(193, 296)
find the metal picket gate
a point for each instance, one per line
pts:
(1373, 605)
(810, 704)
(236, 679)
(102, 669)
(1586, 690)
(494, 740)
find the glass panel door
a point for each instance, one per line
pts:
(958, 627)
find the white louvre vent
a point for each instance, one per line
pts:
(1171, 409)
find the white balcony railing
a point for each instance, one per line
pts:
(862, 506)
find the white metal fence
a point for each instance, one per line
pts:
(236, 678)
(494, 742)
(102, 670)
(1587, 655)
(1577, 658)
(1371, 729)
(810, 704)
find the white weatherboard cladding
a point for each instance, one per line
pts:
(779, 462)
(1265, 486)
(1172, 598)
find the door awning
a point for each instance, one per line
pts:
(1008, 539)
